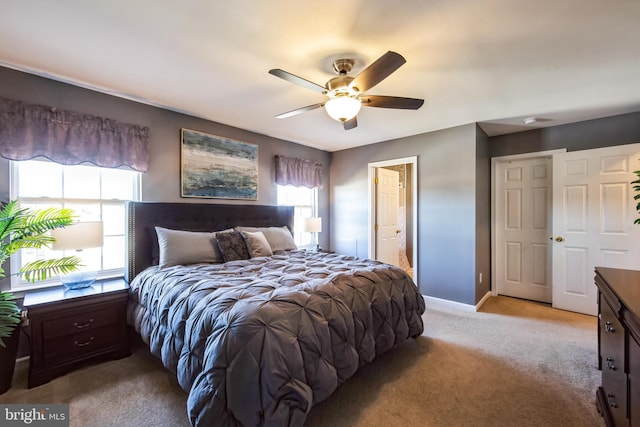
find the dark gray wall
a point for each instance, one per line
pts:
(483, 214)
(162, 181)
(605, 132)
(447, 188)
(409, 217)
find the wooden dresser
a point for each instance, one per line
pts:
(618, 398)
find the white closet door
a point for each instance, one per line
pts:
(523, 226)
(593, 214)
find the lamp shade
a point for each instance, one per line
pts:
(312, 225)
(343, 108)
(80, 235)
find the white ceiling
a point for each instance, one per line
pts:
(490, 61)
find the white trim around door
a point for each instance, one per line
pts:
(371, 167)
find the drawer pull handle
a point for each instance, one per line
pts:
(82, 344)
(83, 326)
(610, 400)
(610, 364)
(608, 327)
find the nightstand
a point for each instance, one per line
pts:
(325, 251)
(319, 250)
(68, 327)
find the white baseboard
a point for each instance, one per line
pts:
(484, 299)
(439, 302)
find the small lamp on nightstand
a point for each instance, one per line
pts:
(78, 236)
(313, 225)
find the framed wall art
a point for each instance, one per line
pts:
(216, 167)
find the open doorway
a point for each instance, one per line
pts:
(393, 213)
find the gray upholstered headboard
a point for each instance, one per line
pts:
(143, 217)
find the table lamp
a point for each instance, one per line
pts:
(313, 225)
(78, 236)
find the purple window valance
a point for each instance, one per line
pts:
(69, 138)
(298, 172)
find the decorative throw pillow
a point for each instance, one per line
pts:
(232, 246)
(257, 244)
(279, 238)
(178, 247)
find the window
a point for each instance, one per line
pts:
(305, 202)
(93, 193)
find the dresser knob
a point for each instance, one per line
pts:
(608, 327)
(610, 364)
(82, 344)
(83, 326)
(612, 403)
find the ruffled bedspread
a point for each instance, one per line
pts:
(258, 342)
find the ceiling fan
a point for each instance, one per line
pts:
(346, 93)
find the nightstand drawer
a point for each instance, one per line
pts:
(79, 322)
(79, 344)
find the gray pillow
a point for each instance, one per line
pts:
(178, 247)
(257, 244)
(232, 246)
(279, 238)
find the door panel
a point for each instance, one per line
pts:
(577, 261)
(540, 256)
(514, 257)
(540, 209)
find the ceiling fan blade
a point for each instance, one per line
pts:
(292, 78)
(299, 110)
(391, 102)
(350, 124)
(377, 71)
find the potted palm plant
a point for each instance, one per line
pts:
(636, 188)
(22, 228)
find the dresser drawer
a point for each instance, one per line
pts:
(615, 391)
(612, 335)
(614, 377)
(79, 321)
(634, 383)
(618, 398)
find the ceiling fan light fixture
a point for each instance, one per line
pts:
(343, 108)
(345, 91)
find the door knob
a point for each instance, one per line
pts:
(559, 239)
(398, 231)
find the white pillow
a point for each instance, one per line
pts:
(178, 247)
(257, 243)
(279, 238)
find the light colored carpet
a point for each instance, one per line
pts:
(514, 363)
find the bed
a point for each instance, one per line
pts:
(258, 341)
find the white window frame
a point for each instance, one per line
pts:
(302, 239)
(17, 282)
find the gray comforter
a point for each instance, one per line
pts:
(258, 342)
